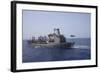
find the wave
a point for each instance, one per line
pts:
(81, 46)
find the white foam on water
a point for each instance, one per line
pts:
(81, 46)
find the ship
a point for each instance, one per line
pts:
(52, 40)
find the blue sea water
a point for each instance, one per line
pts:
(80, 51)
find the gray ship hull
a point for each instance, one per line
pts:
(51, 45)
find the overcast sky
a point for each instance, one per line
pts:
(36, 23)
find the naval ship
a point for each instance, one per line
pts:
(53, 40)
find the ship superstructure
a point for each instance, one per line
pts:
(53, 40)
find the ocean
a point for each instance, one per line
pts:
(80, 51)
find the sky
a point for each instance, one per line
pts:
(36, 23)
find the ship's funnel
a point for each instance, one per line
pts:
(57, 31)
